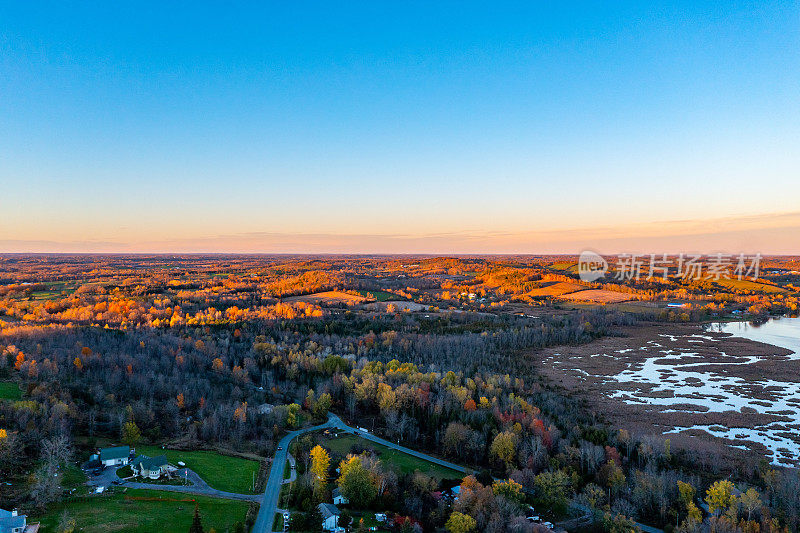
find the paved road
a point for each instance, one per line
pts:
(269, 504)
(200, 491)
(198, 485)
(431, 459)
(644, 527)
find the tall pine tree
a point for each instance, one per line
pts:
(197, 524)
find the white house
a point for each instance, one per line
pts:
(115, 456)
(151, 467)
(330, 516)
(339, 498)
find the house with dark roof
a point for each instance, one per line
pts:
(339, 498)
(115, 455)
(13, 522)
(330, 516)
(151, 467)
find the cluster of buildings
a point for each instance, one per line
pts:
(141, 465)
(331, 513)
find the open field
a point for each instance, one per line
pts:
(598, 296)
(231, 474)
(402, 463)
(10, 391)
(567, 266)
(328, 297)
(55, 290)
(145, 511)
(380, 296)
(747, 285)
(556, 289)
(400, 305)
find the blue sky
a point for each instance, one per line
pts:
(161, 127)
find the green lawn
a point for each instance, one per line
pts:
(231, 474)
(9, 391)
(399, 461)
(165, 512)
(381, 296)
(74, 478)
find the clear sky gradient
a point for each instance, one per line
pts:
(400, 127)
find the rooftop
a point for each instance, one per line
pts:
(328, 510)
(115, 452)
(150, 463)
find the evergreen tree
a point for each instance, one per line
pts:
(197, 524)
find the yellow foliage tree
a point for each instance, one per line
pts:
(320, 463)
(719, 495)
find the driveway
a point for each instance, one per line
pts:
(103, 479)
(292, 471)
(198, 485)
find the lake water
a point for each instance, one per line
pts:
(681, 383)
(783, 332)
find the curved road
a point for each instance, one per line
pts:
(198, 486)
(269, 505)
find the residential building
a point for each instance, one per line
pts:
(330, 516)
(339, 498)
(150, 467)
(13, 522)
(115, 456)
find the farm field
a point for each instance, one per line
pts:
(10, 391)
(400, 305)
(598, 296)
(567, 266)
(328, 297)
(402, 463)
(145, 511)
(747, 285)
(231, 474)
(556, 289)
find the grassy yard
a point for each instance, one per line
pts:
(380, 296)
(231, 474)
(399, 461)
(9, 391)
(74, 478)
(144, 511)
